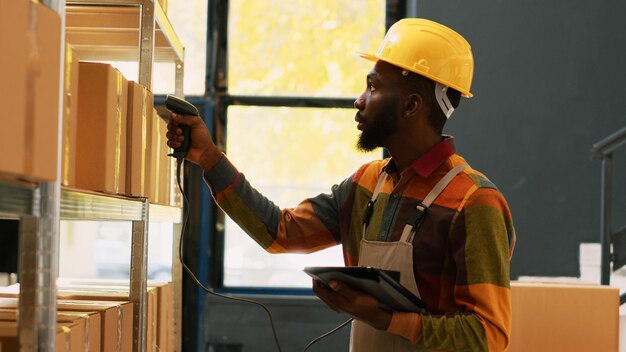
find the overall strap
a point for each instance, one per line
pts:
(370, 204)
(415, 220)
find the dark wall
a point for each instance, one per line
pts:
(548, 83)
(239, 327)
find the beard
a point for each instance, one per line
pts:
(376, 132)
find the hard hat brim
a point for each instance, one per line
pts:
(367, 56)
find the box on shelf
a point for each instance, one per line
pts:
(86, 324)
(159, 162)
(116, 318)
(92, 326)
(564, 317)
(70, 111)
(102, 113)
(32, 31)
(164, 302)
(165, 311)
(69, 337)
(114, 293)
(140, 109)
(116, 321)
(151, 152)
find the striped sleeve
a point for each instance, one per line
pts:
(309, 227)
(482, 238)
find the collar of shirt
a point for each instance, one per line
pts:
(429, 162)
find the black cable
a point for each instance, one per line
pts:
(179, 161)
(327, 334)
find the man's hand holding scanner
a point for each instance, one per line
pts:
(202, 150)
(358, 305)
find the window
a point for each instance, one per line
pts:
(299, 51)
(301, 47)
(101, 249)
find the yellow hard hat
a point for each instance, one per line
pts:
(428, 49)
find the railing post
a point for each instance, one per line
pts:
(605, 218)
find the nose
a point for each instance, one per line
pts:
(359, 102)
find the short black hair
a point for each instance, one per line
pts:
(426, 88)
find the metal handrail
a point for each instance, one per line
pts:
(609, 144)
(603, 150)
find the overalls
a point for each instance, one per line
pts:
(397, 256)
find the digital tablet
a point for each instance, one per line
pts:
(378, 283)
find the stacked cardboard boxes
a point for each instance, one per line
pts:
(69, 337)
(87, 325)
(111, 141)
(109, 300)
(120, 138)
(84, 327)
(160, 303)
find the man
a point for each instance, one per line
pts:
(423, 212)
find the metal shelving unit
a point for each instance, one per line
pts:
(83, 205)
(112, 30)
(108, 30)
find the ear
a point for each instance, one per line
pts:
(414, 103)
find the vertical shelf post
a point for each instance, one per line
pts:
(146, 43)
(28, 294)
(38, 271)
(138, 278)
(47, 268)
(177, 281)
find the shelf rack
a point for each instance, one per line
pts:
(108, 30)
(112, 30)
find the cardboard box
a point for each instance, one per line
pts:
(102, 113)
(159, 308)
(68, 338)
(159, 162)
(165, 304)
(87, 325)
(14, 26)
(115, 318)
(92, 325)
(70, 113)
(106, 293)
(564, 317)
(33, 33)
(46, 136)
(165, 320)
(151, 152)
(116, 321)
(140, 109)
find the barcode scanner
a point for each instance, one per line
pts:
(182, 107)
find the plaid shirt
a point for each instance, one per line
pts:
(461, 252)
